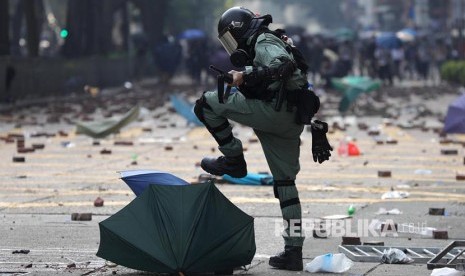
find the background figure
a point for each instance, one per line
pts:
(383, 58)
(346, 56)
(196, 61)
(410, 60)
(167, 57)
(141, 48)
(315, 57)
(398, 57)
(422, 60)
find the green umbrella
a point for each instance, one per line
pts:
(344, 34)
(352, 87)
(179, 229)
(105, 127)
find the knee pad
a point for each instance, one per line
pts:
(200, 104)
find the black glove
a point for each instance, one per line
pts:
(320, 146)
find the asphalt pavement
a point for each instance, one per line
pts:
(400, 151)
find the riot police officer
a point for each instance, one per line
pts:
(267, 102)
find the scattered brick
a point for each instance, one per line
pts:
(440, 235)
(384, 173)
(25, 150)
(445, 141)
(124, 143)
(105, 151)
(18, 159)
(460, 176)
(22, 251)
(362, 126)
(449, 152)
(62, 133)
(436, 211)
(20, 143)
(38, 146)
(81, 216)
(168, 148)
(351, 240)
(98, 202)
(391, 142)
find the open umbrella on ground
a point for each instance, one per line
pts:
(352, 87)
(251, 179)
(105, 127)
(185, 109)
(179, 229)
(139, 180)
(455, 117)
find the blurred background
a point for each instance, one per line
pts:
(58, 47)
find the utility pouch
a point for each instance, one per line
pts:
(307, 104)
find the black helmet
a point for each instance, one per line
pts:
(237, 24)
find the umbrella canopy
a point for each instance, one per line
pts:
(407, 34)
(191, 34)
(455, 117)
(352, 87)
(388, 40)
(251, 179)
(344, 34)
(139, 180)
(185, 109)
(172, 229)
(105, 127)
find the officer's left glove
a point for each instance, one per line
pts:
(320, 145)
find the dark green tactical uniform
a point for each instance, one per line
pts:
(277, 131)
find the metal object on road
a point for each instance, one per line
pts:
(451, 256)
(372, 254)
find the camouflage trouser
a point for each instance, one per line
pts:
(279, 136)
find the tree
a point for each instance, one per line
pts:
(89, 26)
(33, 12)
(4, 28)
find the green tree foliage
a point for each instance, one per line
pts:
(454, 72)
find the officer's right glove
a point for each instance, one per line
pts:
(320, 145)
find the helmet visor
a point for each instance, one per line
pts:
(228, 41)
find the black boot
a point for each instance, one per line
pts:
(289, 259)
(233, 166)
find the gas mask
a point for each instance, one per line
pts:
(238, 57)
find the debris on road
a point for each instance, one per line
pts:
(22, 251)
(81, 216)
(333, 263)
(436, 211)
(384, 174)
(383, 211)
(395, 195)
(98, 202)
(440, 235)
(395, 256)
